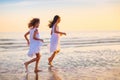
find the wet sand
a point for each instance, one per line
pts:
(83, 63)
(83, 56)
(79, 74)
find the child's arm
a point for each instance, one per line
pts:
(51, 32)
(34, 36)
(27, 37)
(61, 33)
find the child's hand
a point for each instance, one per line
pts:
(61, 34)
(64, 34)
(28, 43)
(42, 40)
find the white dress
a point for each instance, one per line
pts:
(54, 40)
(35, 45)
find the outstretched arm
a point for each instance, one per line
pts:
(26, 34)
(61, 33)
(34, 36)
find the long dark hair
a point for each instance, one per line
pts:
(51, 23)
(33, 22)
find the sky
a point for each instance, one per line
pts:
(76, 15)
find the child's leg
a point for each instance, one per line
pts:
(52, 57)
(28, 62)
(58, 51)
(37, 61)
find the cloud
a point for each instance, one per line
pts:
(33, 2)
(62, 2)
(28, 3)
(15, 4)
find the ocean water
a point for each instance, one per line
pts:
(88, 51)
(11, 41)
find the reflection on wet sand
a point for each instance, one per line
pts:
(36, 76)
(51, 74)
(28, 78)
(54, 74)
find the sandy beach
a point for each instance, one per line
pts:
(83, 61)
(92, 63)
(83, 74)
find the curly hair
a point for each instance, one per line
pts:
(33, 22)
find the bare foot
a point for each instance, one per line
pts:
(50, 63)
(37, 71)
(26, 66)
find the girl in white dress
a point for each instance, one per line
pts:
(55, 38)
(34, 43)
